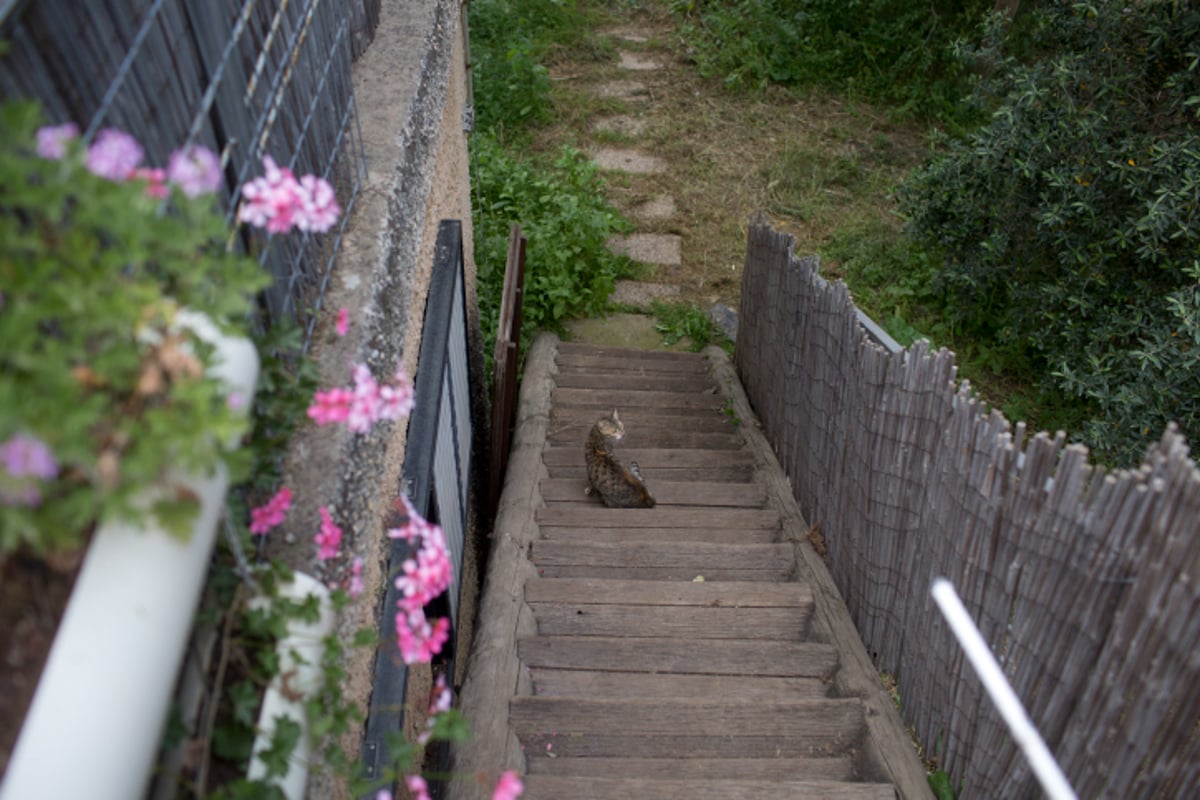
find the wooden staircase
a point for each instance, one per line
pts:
(673, 652)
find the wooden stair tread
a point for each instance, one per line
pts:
(597, 683)
(825, 725)
(679, 437)
(601, 517)
(688, 555)
(665, 655)
(564, 533)
(583, 350)
(626, 380)
(607, 400)
(684, 622)
(654, 457)
(830, 768)
(674, 593)
(666, 492)
(582, 420)
(556, 787)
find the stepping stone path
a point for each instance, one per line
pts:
(661, 250)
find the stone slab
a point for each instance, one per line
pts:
(637, 62)
(661, 207)
(622, 123)
(634, 162)
(624, 90)
(651, 248)
(641, 295)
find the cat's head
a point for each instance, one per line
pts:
(611, 426)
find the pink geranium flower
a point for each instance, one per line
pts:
(365, 403)
(509, 787)
(343, 322)
(114, 155)
(195, 169)
(279, 202)
(329, 538)
(156, 182)
(418, 640)
(265, 517)
(416, 784)
(52, 140)
(319, 208)
(355, 585)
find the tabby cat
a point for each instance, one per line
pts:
(618, 486)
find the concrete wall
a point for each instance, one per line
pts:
(412, 91)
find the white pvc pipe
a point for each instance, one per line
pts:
(1051, 776)
(300, 654)
(94, 727)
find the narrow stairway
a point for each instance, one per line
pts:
(669, 652)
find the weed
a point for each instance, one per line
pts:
(677, 321)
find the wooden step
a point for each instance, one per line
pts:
(744, 688)
(662, 655)
(683, 622)
(606, 363)
(600, 517)
(562, 533)
(832, 768)
(669, 593)
(678, 438)
(671, 561)
(582, 420)
(575, 351)
(630, 379)
(606, 400)
(556, 787)
(685, 728)
(666, 493)
(656, 458)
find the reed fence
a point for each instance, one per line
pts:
(245, 78)
(1085, 583)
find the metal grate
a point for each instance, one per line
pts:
(246, 79)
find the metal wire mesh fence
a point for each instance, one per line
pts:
(245, 78)
(1082, 582)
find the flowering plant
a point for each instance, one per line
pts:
(103, 392)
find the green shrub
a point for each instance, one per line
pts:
(895, 51)
(1070, 225)
(565, 217)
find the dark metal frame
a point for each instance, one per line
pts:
(436, 477)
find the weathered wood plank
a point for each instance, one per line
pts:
(684, 622)
(630, 381)
(730, 657)
(775, 558)
(594, 683)
(831, 768)
(666, 493)
(583, 419)
(572, 350)
(640, 366)
(606, 400)
(599, 517)
(545, 787)
(669, 593)
(715, 535)
(826, 725)
(731, 474)
(673, 573)
(655, 458)
(678, 438)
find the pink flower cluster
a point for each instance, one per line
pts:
(265, 517)
(509, 787)
(439, 703)
(329, 538)
(365, 403)
(117, 156)
(25, 460)
(278, 201)
(421, 580)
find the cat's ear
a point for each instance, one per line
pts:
(615, 418)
